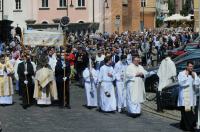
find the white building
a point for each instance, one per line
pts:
(16, 10)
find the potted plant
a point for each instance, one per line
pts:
(56, 20)
(30, 21)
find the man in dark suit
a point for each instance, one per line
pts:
(61, 76)
(26, 72)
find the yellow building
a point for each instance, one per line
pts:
(196, 15)
(131, 15)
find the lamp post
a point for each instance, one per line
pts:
(67, 8)
(93, 11)
(143, 16)
(2, 9)
(199, 17)
(104, 18)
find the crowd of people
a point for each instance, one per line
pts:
(109, 66)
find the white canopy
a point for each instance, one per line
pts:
(175, 17)
(43, 38)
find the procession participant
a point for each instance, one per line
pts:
(18, 60)
(154, 56)
(52, 60)
(119, 69)
(62, 74)
(90, 80)
(99, 60)
(45, 85)
(187, 98)
(6, 86)
(70, 57)
(107, 92)
(166, 74)
(26, 72)
(135, 74)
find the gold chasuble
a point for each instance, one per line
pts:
(6, 86)
(44, 78)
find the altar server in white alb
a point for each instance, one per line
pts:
(6, 86)
(107, 92)
(119, 69)
(166, 74)
(135, 74)
(188, 81)
(90, 80)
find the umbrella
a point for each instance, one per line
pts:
(175, 17)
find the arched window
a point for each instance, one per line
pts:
(81, 3)
(45, 3)
(44, 22)
(18, 4)
(62, 3)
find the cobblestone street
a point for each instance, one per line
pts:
(79, 119)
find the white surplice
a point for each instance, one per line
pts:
(52, 62)
(90, 86)
(107, 88)
(166, 71)
(135, 88)
(120, 84)
(187, 95)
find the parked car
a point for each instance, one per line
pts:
(169, 94)
(151, 82)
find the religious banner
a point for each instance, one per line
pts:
(43, 38)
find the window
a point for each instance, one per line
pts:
(143, 3)
(18, 4)
(63, 3)
(81, 3)
(45, 3)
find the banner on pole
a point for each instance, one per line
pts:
(43, 38)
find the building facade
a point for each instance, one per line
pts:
(196, 16)
(16, 10)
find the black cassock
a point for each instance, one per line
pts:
(22, 85)
(59, 74)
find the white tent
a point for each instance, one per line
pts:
(189, 17)
(175, 17)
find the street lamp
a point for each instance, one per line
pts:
(104, 10)
(2, 9)
(143, 16)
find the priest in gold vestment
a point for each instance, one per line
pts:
(6, 86)
(45, 86)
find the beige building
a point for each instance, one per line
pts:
(196, 15)
(130, 13)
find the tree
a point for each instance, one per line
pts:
(186, 8)
(171, 6)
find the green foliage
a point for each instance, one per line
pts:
(159, 23)
(171, 6)
(186, 8)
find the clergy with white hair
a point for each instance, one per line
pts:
(135, 74)
(107, 102)
(119, 69)
(45, 85)
(188, 81)
(90, 80)
(166, 74)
